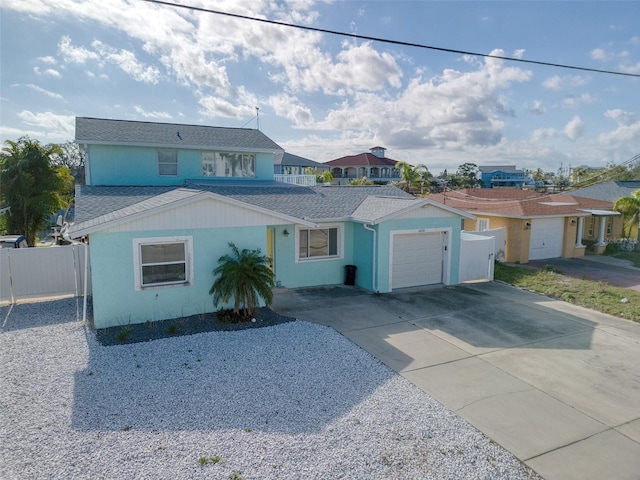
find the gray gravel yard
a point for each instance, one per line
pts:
(296, 400)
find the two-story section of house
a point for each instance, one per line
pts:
(163, 201)
(374, 165)
(503, 176)
(120, 152)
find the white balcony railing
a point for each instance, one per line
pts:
(305, 180)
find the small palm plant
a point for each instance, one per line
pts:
(630, 209)
(244, 275)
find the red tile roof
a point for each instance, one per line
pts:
(518, 203)
(362, 160)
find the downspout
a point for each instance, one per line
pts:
(86, 280)
(374, 282)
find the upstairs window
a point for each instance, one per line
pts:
(319, 243)
(168, 163)
(483, 224)
(227, 164)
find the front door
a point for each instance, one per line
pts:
(270, 248)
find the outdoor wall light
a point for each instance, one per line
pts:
(286, 232)
(527, 225)
(573, 221)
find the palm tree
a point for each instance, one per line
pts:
(244, 275)
(629, 207)
(413, 176)
(360, 181)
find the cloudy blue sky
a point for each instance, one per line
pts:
(323, 96)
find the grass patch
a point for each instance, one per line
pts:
(632, 256)
(597, 296)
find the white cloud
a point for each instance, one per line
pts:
(52, 125)
(575, 128)
(156, 115)
(628, 68)
(49, 72)
(48, 60)
(519, 53)
(557, 82)
(623, 135)
(538, 109)
(43, 91)
(219, 107)
(453, 110)
(573, 101)
(599, 54)
(553, 83)
(621, 117)
(542, 134)
(290, 107)
(71, 54)
(128, 62)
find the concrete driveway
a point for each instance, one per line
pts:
(556, 384)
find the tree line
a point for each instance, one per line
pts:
(36, 181)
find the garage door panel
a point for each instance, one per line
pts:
(417, 259)
(547, 235)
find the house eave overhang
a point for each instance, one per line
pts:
(176, 146)
(577, 213)
(103, 222)
(316, 221)
(601, 213)
(418, 204)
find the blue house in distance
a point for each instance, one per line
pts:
(162, 202)
(503, 176)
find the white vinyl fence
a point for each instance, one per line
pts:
(43, 272)
(477, 254)
(500, 235)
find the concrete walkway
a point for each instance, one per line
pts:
(555, 384)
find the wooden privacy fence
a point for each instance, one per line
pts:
(27, 273)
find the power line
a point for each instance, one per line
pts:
(393, 42)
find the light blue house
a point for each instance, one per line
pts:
(162, 202)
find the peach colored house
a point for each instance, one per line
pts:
(537, 225)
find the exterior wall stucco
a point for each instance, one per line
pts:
(290, 274)
(569, 247)
(115, 300)
(517, 236)
(384, 238)
(129, 165)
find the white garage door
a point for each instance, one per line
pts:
(417, 259)
(546, 238)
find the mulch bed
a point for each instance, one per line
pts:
(210, 322)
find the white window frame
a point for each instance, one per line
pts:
(483, 224)
(339, 239)
(215, 164)
(137, 261)
(165, 163)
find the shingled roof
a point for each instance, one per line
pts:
(479, 201)
(306, 203)
(289, 159)
(609, 191)
(128, 132)
(362, 160)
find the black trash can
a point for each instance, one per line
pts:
(351, 275)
